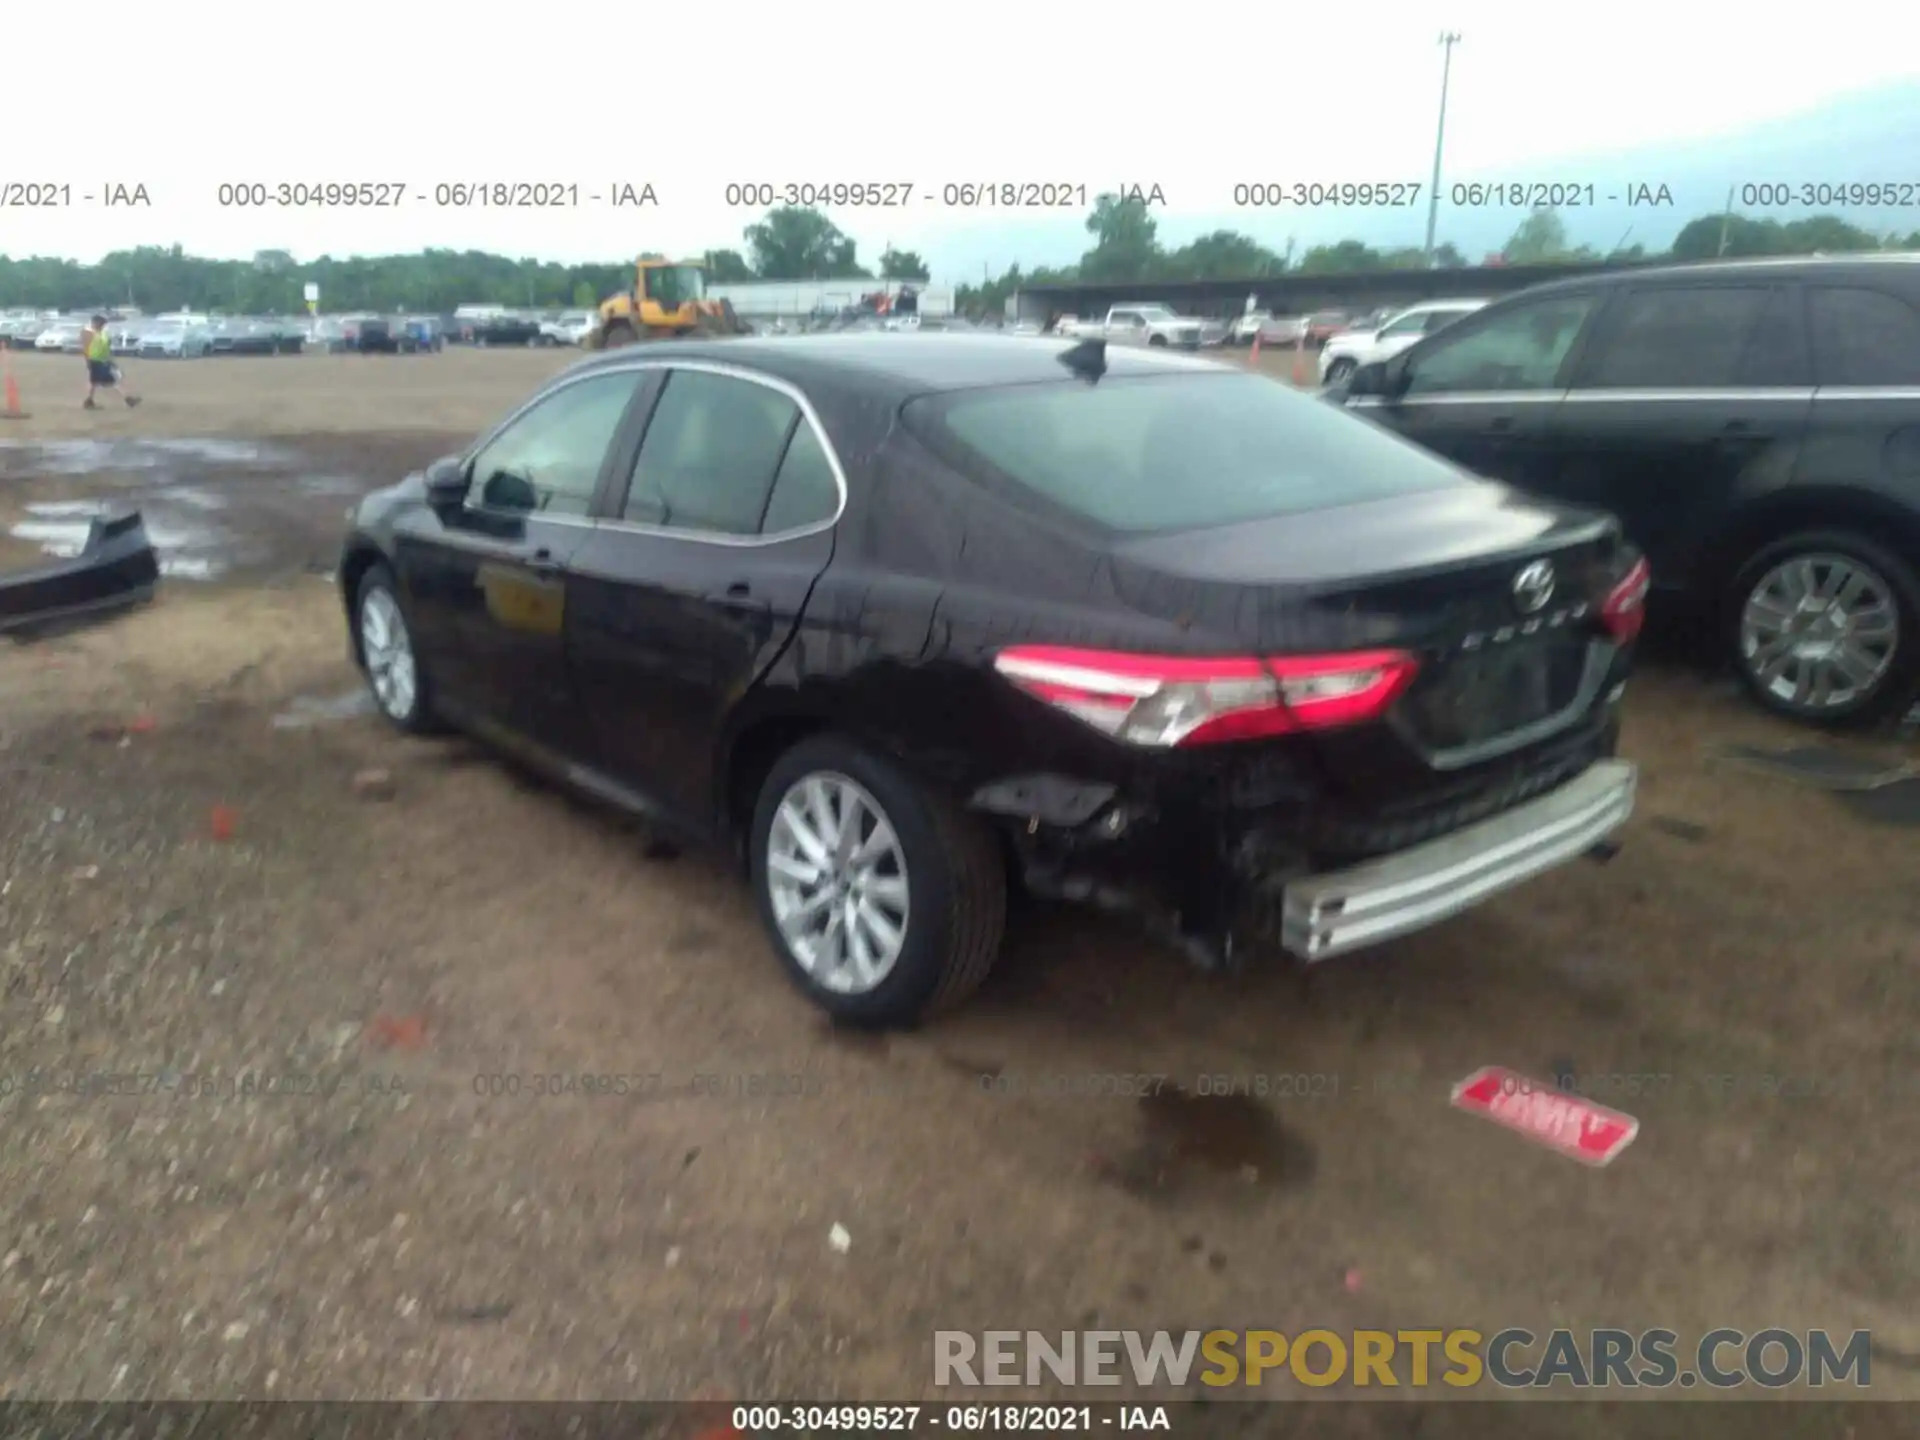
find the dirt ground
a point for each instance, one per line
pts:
(388, 1227)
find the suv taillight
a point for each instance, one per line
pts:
(1163, 701)
(1624, 610)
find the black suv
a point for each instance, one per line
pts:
(1754, 424)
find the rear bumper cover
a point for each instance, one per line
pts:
(115, 568)
(1331, 914)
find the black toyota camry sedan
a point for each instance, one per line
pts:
(908, 620)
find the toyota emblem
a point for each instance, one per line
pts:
(1533, 587)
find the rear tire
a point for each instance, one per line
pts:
(1831, 588)
(939, 872)
(618, 333)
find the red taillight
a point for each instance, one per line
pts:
(1166, 700)
(1625, 609)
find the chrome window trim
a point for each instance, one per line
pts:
(1590, 395)
(1796, 393)
(671, 532)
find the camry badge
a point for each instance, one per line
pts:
(1533, 587)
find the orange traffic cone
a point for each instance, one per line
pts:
(12, 386)
(1300, 364)
(1254, 358)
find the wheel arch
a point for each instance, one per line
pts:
(1764, 521)
(361, 556)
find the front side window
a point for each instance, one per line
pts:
(1678, 338)
(1413, 324)
(548, 460)
(710, 453)
(1520, 348)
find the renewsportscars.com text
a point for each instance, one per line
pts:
(1508, 1359)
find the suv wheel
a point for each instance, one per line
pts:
(885, 903)
(1340, 369)
(385, 642)
(1826, 628)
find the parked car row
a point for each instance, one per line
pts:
(192, 335)
(175, 337)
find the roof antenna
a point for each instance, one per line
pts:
(1088, 360)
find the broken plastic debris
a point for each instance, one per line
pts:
(401, 1032)
(374, 785)
(222, 821)
(839, 1239)
(308, 710)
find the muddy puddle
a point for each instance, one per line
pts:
(187, 550)
(73, 458)
(193, 494)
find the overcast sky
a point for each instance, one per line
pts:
(1192, 97)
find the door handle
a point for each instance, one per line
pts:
(1737, 427)
(1500, 424)
(542, 563)
(738, 597)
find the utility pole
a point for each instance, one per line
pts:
(1448, 39)
(1726, 221)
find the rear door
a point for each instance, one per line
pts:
(1866, 411)
(1687, 394)
(696, 579)
(1483, 393)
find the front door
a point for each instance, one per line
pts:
(488, 583)
(681, 603)
(1483, 392)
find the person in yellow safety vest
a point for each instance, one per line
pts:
(102, 374)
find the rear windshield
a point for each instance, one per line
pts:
(1176, 452)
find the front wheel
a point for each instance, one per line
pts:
(385, 644)
(617, 334)
(1339, 370)
(883, 901)
(1825, 628)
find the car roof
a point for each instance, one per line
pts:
(905, 363)
(1903, 265)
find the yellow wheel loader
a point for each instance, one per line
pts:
(667, 300)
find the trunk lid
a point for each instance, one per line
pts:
(1497, 595)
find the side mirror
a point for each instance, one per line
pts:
(1369, 379)
(446, 482)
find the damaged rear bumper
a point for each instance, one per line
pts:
(115, 568)
(1323, 916)
(1315, 884)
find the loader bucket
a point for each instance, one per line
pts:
(718, 318)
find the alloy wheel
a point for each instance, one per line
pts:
(1819, 631)
(837, 880)
(388, 651)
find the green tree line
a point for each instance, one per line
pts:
(794, 243)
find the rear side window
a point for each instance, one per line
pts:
(805, 491)
(710, 452)
(1178, 452)
(1674, 338)
(1863, 337)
